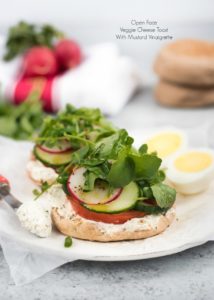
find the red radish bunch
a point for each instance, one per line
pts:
(68, 54)
(40, 61)
(40, 65)
(47, 62)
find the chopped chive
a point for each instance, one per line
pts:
(36, 192)
(68, 242)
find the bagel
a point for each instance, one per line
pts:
(189, 62)
(134, 229)
(182, 96)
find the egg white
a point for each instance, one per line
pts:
(190, 182)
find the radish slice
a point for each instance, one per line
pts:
(99, 195)
(65, 146)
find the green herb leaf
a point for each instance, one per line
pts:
(79, 155)
(164, 195)
(111, 146)
(143, 149)
(43, 188)
(158, 178)
(141, 205)
(122, 172)
(68, 242)
(21, 122)
(147, 192)
(146, 166)
(7, 126)
(90, 179)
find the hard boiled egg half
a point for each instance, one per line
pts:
(167, 143)
(191, 171)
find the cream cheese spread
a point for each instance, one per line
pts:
(136, 224)
(40, 173)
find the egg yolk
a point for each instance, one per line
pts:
(193, 162)
(164, 144)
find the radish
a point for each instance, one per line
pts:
(99, 195)
(68, 54)
(65, 146)
(40, 61)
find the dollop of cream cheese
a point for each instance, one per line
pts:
(35, 218)
(35, 215)
(40, 172)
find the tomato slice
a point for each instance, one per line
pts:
(118, 218)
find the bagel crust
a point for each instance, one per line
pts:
(134, 229)
(189, 62)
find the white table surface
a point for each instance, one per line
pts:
(143, 110)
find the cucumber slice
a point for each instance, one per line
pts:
(125, 201)
(52, 159)
(149, 208)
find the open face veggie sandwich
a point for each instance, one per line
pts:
(115, 192)
(107, 189)
(62, 135)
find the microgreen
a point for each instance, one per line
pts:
(106, 153)
(80, 127)
(114, 160)
(21, 122)
(42, 189)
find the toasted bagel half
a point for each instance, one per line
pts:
(134, 229)
(189, 62)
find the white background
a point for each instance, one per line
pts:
(111, 10)
(95, 21)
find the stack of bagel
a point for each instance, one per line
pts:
(186, 72)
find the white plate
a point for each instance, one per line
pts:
(193, 226)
